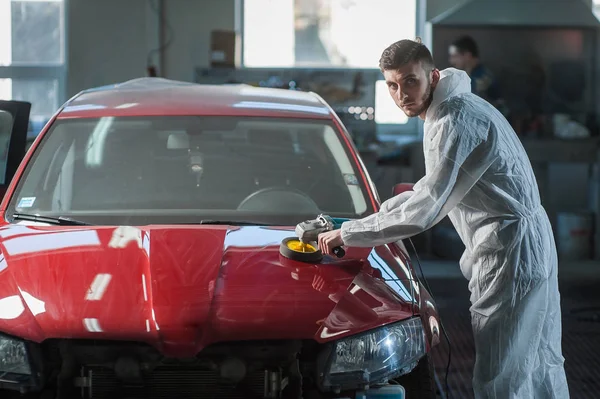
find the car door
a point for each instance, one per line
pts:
(14, 122)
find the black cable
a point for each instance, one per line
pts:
(594, 317)
(441, 323)
(170, 33)
(585, 309)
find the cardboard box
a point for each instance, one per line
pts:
(225, 49)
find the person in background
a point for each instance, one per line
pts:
(464, 55)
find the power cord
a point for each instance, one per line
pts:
(593, 314)
(162, 46)
(441, 323)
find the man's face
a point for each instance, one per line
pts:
(411, 87)
(457, 59)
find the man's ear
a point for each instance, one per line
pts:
(435, 77)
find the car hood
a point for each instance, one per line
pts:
(181, 288)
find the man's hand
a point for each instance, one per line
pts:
(330, 240)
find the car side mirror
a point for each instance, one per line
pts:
(402, 187)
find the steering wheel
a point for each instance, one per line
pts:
(288, 198)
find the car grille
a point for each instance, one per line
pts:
(173, 382)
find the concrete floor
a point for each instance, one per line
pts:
(580, 296)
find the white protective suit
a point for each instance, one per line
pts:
(478, 174)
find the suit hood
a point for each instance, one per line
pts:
(453, 82)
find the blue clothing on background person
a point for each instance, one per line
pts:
(483, 83)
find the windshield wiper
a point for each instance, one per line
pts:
(234, 222)
(61, 220)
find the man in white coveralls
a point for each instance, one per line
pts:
(478, 174)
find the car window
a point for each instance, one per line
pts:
(200, 167)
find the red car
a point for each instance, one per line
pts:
(139, 253)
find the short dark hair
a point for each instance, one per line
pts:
(405, 52)
(466, 44)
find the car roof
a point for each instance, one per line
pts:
(158, 96)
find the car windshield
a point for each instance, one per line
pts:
(191, 169)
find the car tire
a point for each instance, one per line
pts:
(419, 383)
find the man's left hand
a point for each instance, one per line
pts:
(330, 240)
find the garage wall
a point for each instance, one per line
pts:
(109, 40)
(192, 22)
(106, 42)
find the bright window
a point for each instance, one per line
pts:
(324, 33)
(386, 110)
(32, 55)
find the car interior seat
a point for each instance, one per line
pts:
(273, 156)
(123, 174)
(223, 182)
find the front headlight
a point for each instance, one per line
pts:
(373, 357)
(14, 360)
